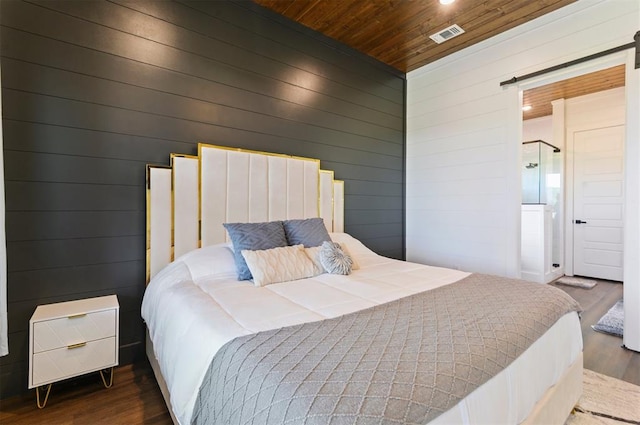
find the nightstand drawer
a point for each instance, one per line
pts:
(54, 365)
(59, 333)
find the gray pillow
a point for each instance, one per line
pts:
(253, 236)
(334, 260)
(309, 232)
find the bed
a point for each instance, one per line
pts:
(196, 309)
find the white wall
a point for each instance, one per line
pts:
(595, 110)
(463, 142)
(463, 173)
(538, 129)
(631, 338)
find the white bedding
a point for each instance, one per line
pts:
(195, 305)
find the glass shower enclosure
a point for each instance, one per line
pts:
(540, 173)
(541, 209)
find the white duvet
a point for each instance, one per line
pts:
(195, 305)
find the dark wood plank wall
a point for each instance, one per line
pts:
(93, 91)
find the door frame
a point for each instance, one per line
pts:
(560, 139)
(631, 270)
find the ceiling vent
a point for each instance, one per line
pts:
(446, 34)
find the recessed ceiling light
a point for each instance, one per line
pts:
(446, 1)
(526, 108)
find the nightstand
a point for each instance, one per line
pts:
(73, 338)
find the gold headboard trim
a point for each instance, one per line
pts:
(149, 167)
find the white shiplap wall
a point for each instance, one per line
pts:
(463, 143)
(463, 174)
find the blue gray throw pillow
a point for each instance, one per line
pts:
(253, 236)
(309, 232)
(335, 260)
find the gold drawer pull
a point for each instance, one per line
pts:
(77, 316)
(71, 347)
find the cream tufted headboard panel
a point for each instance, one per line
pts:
(188, 201)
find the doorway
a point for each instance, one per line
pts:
(587, 121)
(631, 201)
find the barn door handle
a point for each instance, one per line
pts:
(580, 222)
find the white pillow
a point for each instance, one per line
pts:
(357, 250)
(279, 264)
(314, 254)
(354, 263)
(210, 261)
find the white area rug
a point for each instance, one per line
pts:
(580, 282)
(606, 401)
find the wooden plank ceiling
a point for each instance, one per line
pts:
(397, 32)
(540, 98)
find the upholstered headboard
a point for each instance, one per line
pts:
(188, 201)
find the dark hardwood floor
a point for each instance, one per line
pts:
(135, 397)
(603, 353)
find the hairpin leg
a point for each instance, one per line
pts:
(104, 381)
(46, 397)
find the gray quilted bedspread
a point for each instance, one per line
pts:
(403, 362)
